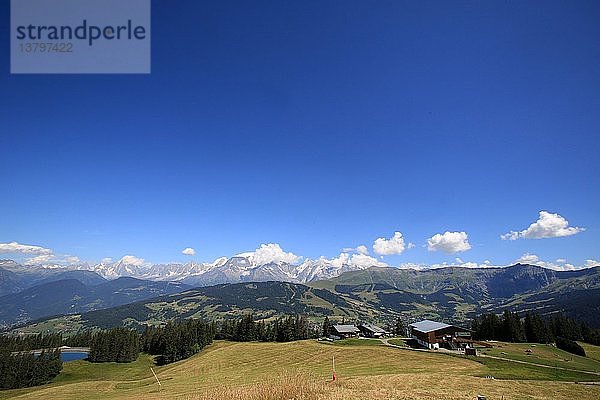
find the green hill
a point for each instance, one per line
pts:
(379, 295)
(456, 294)
(302, 370)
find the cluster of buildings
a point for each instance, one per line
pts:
(426, 333)
(365, 330)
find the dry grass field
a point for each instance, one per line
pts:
(298, 370)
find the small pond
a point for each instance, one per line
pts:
(73, 355)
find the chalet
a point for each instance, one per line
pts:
(432, 334)
(371, 331)
(345, 331)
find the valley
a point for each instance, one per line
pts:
(380, 295)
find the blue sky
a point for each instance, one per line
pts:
(318, 126)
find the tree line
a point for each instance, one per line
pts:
(282, 329)
(533, 328)
(510, 327)
(13, 343)
(120, 345)
(18, 370)
(177, 340)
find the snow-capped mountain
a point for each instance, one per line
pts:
(269, 262)
(239, 268)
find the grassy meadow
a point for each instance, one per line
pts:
(545, 354)
(302, 370)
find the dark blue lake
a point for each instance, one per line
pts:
(72, 356)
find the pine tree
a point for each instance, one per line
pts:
(399, 328)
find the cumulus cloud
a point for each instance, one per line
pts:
(272, 252)
(458, 263)
(188, 251)
(533, 259)
(548, 225)
(528, 259)
(449, 242)
(14, 247)
(394, 245)
(41, 255)
(132, 260)
(411, 265)
(41, 259)
(362, 249)
(363, 260)
(339, 261)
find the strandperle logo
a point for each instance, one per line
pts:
(80, 36)
(85, 31)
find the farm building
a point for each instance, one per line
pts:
(432, 334)
(345, 331)
(372, 331)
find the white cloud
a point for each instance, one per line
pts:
(363, 260)
(411, 265)
(548, 225)
(528, 259)
(394, 245)
(591, 263)
(272, 252)
(411, 245)
(106, 260)
(14, 247)
(339, 261)
(132, 260)
(42, 255)
(533, 259)
(449, 242)
(362, 249)
(188, 251)
(561, 260)
(459, 263)
(471, 264)
(41, 259)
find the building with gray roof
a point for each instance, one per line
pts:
(433, 334)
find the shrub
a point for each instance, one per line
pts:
(570, 346)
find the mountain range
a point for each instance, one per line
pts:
(241, 268)
(77, 293)
(374, 294)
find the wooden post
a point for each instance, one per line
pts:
(333, 366)
(156, 377)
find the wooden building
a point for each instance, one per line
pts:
(433, 335)
(345, 331)
(371, 331)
